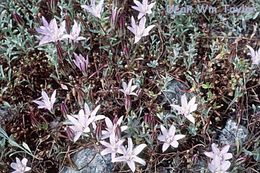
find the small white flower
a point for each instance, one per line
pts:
(20, 166)
(130, 154)
(218, 166)
(128, 89)
(186, 108)
(219, 163)
(50, 31)
(81, 63)
(46, 103)
(223, 153)
(94, 9)
(93, 114)
(143, 8)
(169, 138)
(139, 30)
(111, 128)
(112, 147)
(79, 124)
(255, 55)
(74, 34)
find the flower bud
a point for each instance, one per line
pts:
(18, 19)
(64, 108)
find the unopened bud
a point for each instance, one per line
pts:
(64, 109)
(18, 19)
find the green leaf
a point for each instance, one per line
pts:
(26, 147)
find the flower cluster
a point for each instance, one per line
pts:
(115, 145)
(85, 121)
(79, 123)
(219, 158)
(139, 30)
(50, 32)
(129, 154)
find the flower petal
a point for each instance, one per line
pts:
(177, 137)
(165, 147)
(131, 165)
(139, 160)
(209, 154)
(139, 148)
(190, 118)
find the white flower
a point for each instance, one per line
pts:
(111, 128)
(128, 89)
(218, 166)
(219, 163)
(94, 9)
(20, 166)
(74, 34)
(46, 103)
(130, 154)
(50, 31)
(169, 138)
(112, 147)
(93, 115)
(255, 55)
(139, 30)
(186, 108)
(81, 62)
(79, 124)
(143, 8)
(223, 153)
